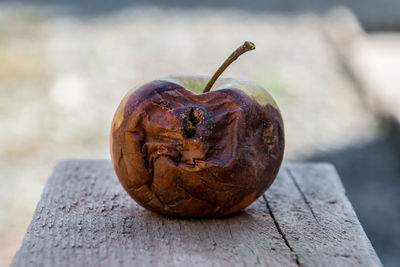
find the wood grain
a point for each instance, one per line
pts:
(86, 219)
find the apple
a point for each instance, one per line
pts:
(197, 146)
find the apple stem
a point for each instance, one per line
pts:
(247, 46)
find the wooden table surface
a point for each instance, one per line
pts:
(84, 218)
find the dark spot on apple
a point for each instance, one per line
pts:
(268, 134)
(195, 115)
(164, 104)
(189, 130)
(191, 120)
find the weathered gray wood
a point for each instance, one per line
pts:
(86, 219)
(318, 222)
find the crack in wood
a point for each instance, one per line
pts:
(302, 195)
(283, 235)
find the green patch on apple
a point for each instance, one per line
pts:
(197, 83)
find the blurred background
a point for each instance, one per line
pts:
(333, 67)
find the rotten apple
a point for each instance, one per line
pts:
(195, 146)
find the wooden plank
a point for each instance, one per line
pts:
(86, 219)
(308, 203)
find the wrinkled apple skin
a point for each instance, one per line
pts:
(178, 153)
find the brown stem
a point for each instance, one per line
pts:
(247, 46)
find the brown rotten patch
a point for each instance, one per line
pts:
(184, 154)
